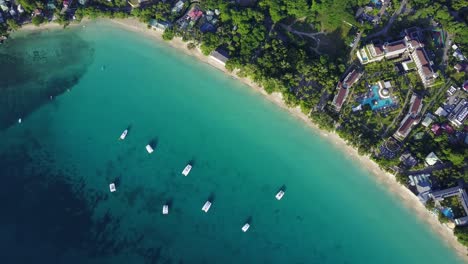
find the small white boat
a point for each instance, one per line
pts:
(124, 134)
(149, 149)
(165, 209)
(187, 169)
(19, 121)
(112, 187)
(245, 227)
(279, 195)
(206, 206)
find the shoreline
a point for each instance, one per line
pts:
(408, 199)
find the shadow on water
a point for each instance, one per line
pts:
(282, 188)
(117, 181)
(37, 66)
(192, 162)
(48, 211)
(154, 142)
(211, 197)
(170, 202)
(248, 220)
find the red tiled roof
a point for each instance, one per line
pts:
(351, 78)
(421, 56)
(340, 97)
(436, 129)
(415, 43)
(195, 14)
(448, 128)
(403, 130)
(378, 49)
(414, 110)
(394, 46)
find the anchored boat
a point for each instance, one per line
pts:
(246, 227)
(149, 148)
(124, 134)
(187, 169)
(279, 195)
(112, 187)
(165, 209)
(206, 206)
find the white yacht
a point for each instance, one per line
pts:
(165, 209)
(279, 195)
(124, 134)
(187, 169)
(19, 121)
(149, 149)
(112, 187)
(206, 206)
(245, 227)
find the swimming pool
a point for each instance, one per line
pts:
(377, 3)
(375, 101)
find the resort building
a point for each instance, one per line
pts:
(159, 25)
(344, 88)
(408, 160)
(416, 105)
(220, 55)
(411, 119)
(405, 127)
(462, 196)
(423, 65)
(459, 113)
(410, 45)
(422, 185)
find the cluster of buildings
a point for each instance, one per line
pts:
(421, 185)
(207, 19)
(9, 9)
(455, 107)
(410, 49)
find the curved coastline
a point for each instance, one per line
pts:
(405, 195)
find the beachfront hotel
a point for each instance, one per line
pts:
(410, 45)
(344, 88)
(411, 119)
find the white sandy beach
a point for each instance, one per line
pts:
(387, 179)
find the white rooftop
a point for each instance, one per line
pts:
(432, 159)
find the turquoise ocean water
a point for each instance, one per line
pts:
(57, 164)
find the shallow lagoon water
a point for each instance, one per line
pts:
(57, 165)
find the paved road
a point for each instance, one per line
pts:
(384, 31)
(429, 170)
(355, 45)
(443, 65)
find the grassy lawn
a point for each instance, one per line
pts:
(411, 65)
(333, 44)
